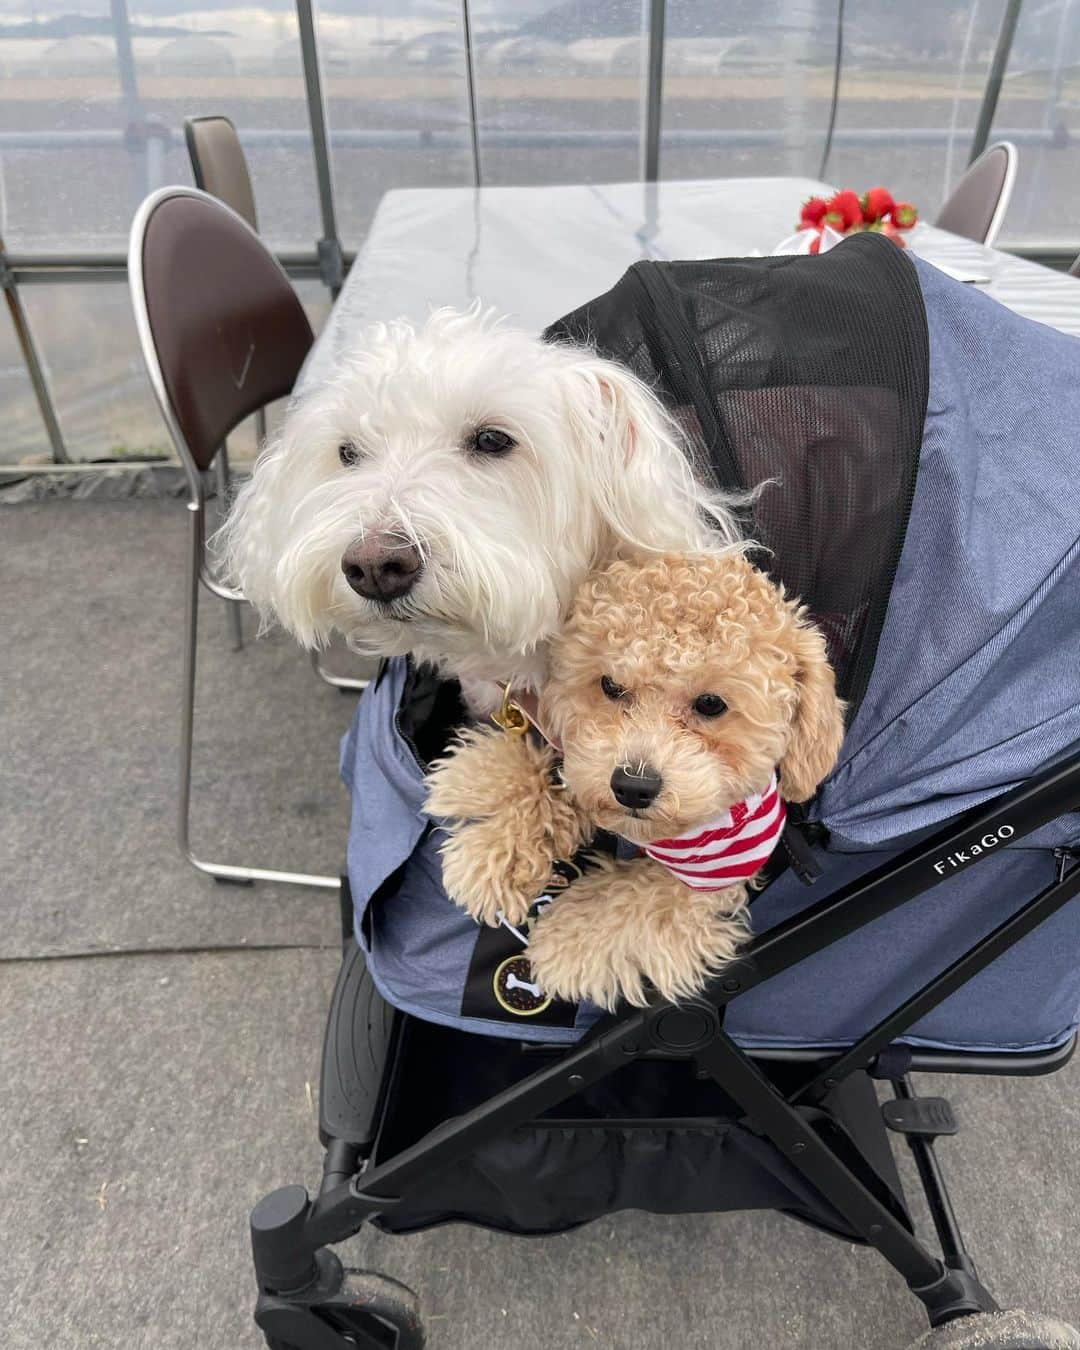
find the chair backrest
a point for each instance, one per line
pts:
(219, 164)
(977, 204)
(221, 328)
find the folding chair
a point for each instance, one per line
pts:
(222, 334)
(220, 167)
(977, 205)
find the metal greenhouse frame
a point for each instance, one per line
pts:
(328, 260)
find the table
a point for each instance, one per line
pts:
(535, 253)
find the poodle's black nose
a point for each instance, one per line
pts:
(635, 788)
(381, 567)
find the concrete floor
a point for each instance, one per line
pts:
(159, 1035)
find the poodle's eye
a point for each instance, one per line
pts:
(611, 689)
(491, 441)
(348, 453)
(709, 705)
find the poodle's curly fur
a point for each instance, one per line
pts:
(645, 639)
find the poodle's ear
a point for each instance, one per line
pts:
(817, 729)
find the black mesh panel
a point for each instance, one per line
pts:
(807, 373)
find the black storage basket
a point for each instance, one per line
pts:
(650, 1137)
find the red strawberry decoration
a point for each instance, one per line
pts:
(848, 213)
(876, 204)
(847, 206)
(813, 212)
(904, 215)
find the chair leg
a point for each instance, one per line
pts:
(224, 487)
(225, 872)
(236, 623)
(346, 683)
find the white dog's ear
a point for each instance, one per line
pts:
(640, 469)
(244, 544)
(631, 413)
(254, 557)
(281, 542)
(817, 729)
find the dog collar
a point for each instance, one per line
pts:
(727, 850)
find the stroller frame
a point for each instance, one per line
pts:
(305, 1299)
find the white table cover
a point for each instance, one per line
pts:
(535, 253)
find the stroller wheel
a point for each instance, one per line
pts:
(1010, 1330)
(389, 1302)
(366, 1309)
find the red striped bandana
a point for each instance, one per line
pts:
(729, 849)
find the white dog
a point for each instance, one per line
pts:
(448, 491)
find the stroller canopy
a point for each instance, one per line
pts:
(811, 379)
(917, 446)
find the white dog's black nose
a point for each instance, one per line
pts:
(635, 788)
(381, 567)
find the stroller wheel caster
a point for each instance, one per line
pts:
(356, 1308)
(389, 1302)
(1010, 1330)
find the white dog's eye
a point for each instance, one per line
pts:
(348, 453)
(709, 705)
(491, 441)
(611, 689)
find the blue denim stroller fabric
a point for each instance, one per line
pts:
(976, 686)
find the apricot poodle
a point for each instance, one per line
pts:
(686, 698)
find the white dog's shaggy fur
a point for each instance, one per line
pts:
(597, 465)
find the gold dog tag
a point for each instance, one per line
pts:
(510, 717)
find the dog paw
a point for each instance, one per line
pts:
(493, 871)
(505, 820)
(481, 770)
(566, 966)
(629, 926)
(680, 962)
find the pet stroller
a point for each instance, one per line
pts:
(920, 438)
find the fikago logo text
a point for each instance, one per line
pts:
(963, 856)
